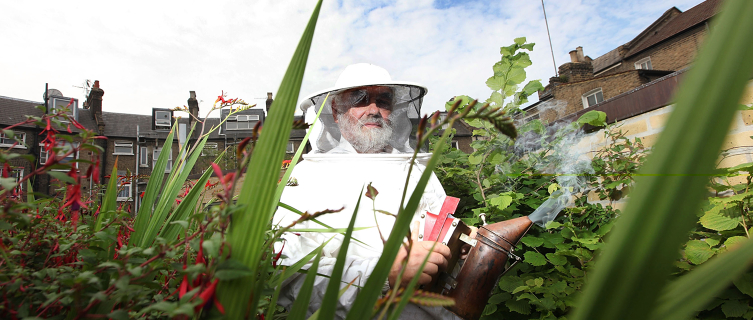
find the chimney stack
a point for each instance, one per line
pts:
(193, 108)
(269, 100)
(94, 101)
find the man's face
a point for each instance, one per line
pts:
(363, 117)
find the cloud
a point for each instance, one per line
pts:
(149, 54)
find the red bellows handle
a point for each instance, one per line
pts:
(437, 225)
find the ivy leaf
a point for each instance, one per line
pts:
(535, 258)
(532, 241)
(718, 222)
(734, 308)
(698, 251)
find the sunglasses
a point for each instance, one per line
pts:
(362, 98)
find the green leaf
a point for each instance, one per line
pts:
(330, 300)
(698, 251)
(475, 159)
(231, 269)
(495, 83)
(744, 283)
(556, 259)
(718, 222)
(301, 303)
(630, 274)
(501, 202)
(520, 40)
(257, 195)
(734, 308)
(732, 241)
(594, 118)
(532, 241)
(521, 307)
(534, 258)
(62, 176)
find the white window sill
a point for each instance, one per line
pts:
(18, 146)
(123, 199)
(144, 166)
(122, 154)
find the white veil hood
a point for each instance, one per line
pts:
(408, 95)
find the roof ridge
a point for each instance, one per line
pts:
(22, 100)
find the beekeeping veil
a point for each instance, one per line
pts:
(407, 105)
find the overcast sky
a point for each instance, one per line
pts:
(150, 54)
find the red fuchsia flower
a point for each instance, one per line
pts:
(142, 194)
(78, 124)
(73, 201)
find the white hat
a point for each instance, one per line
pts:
(408, 95)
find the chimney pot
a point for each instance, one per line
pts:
(573, 56)
(96, 83)
(581, 57)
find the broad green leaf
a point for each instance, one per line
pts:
(732, 241)
(734, 308)
(594, 118)
(475, 159)
(532, 241)
(257, 195)
(556, 259)
(501, 202)
(638, 258)
(522, 307)
(534, 258)
(520, 40)
(698, 251)
(744, 283)
(495, 83)
(718, 222)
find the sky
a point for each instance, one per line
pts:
(150, 54)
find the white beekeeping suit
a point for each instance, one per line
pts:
(333, 175)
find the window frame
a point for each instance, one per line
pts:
(122, 144)
(210, 146)
(160, 123)
(290, 148)
(594, 93)
(20, 145)
(73, 156)
(126, 186)
(639, 64)
(155, 156)
(19, 171)
(455, 145)
(144, 157)
(235, 120)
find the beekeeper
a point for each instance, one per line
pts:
(363, 136)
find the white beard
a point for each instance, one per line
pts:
(365, 140)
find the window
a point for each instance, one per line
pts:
(62, 148)
(644, 64)
(242, 122)
(124, 186)
(18, 138)
(43, 155)
(592, 97)
(59, 103)
(144, 157)
(210, 149)
(16, 174)
(442, 117)
(162, 119)
(454, 144)
(155, 156)
(123, 148)
(290, 148)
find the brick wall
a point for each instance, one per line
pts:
(572, 93)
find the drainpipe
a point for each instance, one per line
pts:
(138, 164)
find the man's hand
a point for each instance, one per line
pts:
(437, 260)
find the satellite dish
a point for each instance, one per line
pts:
(53, 93)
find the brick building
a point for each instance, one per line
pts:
(663, 49)
(134, 140)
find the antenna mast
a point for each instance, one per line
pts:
(550, 39)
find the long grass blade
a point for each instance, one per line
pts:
(150, 194)
(109, 202)
(329, 303)
(246, 236)
(301, 303)
(408, 290)
(370, 293)
(694, 290)
(639, 256)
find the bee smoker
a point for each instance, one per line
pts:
(470, 281)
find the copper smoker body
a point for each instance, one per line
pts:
(485, 264)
